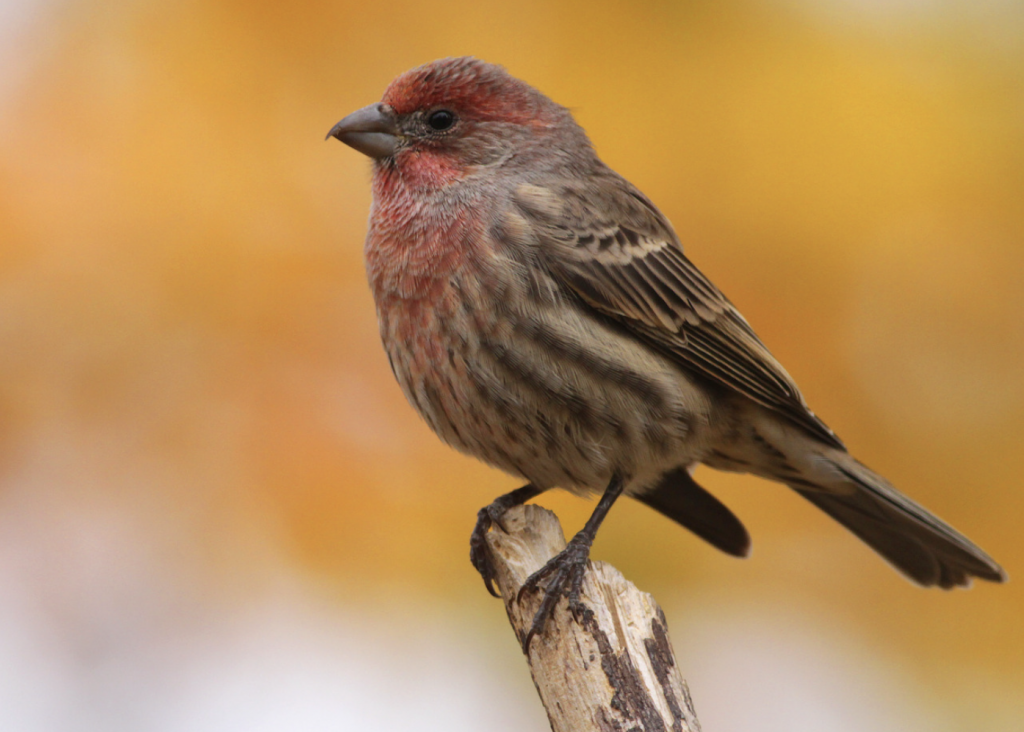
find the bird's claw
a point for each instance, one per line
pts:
(567, 570)
(488, 516)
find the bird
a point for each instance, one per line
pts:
(539, 312)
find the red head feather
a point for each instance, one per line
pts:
(474, 89)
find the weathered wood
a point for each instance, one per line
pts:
(610, 669)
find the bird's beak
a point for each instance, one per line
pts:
(370, 130)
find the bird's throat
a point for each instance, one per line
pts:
(419, 240)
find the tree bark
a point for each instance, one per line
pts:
(610, 668)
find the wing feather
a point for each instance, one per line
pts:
(609, 246)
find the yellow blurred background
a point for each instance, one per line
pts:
(217, 511)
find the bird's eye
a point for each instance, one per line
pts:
(442, 119)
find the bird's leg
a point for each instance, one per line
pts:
(488, 516)
(568, 567)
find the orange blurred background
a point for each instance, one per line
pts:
(217, 511)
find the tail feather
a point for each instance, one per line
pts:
(678, 497)
(915, 541)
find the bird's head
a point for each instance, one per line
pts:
(449, 118)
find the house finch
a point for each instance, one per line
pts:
(540, 314)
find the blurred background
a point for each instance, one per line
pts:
(217, 511)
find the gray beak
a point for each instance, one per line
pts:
(370, 130)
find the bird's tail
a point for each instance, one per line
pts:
(912, 539)
(916, 542)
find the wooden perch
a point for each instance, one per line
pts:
(613, 668)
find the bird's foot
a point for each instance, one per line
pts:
(566, 570)
(488, 516)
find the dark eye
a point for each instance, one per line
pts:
(442, 119)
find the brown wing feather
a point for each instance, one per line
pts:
(611, 247)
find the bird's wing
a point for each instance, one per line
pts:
(609, 245)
